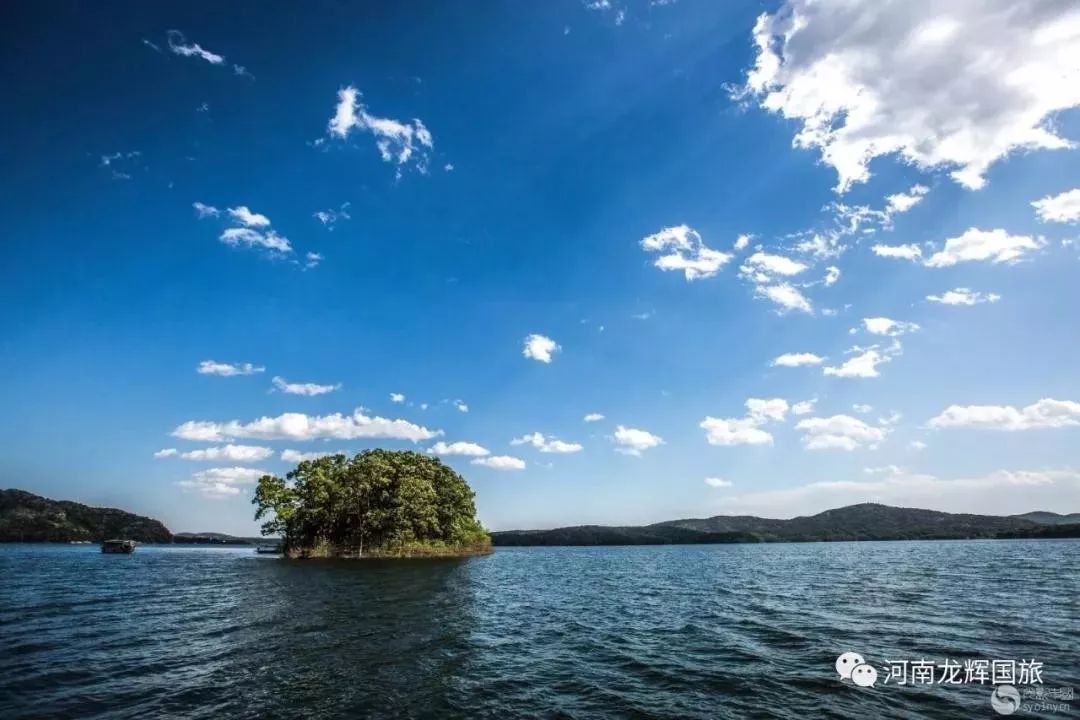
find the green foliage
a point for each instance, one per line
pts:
(377, 502)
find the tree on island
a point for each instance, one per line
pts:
(378, 503)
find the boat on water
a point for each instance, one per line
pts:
(268, 549)
(118, 546)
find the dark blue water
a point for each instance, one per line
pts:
(635, 632)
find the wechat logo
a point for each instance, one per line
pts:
(852, 666)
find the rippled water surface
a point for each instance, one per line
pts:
(676, 631)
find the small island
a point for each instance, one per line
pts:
(377, 504)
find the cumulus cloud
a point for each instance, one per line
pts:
(718, 482)
(787, 296)
(863, 363)
(401, 143)
(460, 406)
(743, 241)
(995, 246)
(1004, 492)
(746, 430)
(632, 441)
(797, 360)
(296, 456)
(901, 252)
(867, 79)
(298, 426)
(229, 453)
(210, 367)
(804, 407)
(593, 417)
(459, 448)
(963, 296)
(397, 398)
(217, 483)
(682, 248)
(547, 444)
(762, 267)
(309, 389)
(166, 453)
(1063, 208)
(1046, 413)
(902, 202)
(244, 216)
(889, 327)
(500, 462)
(840, 432)
(540, 348)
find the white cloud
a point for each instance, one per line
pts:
(864, 364)
(996, 246)
(832, 274)
(917, 445)
(295, 456)
(460, 406)
(762, 267)
(1003, 492)
(167, 453)
(397, 398)
(1046, 413)
(219, 483)
(398, 142)
(298, 426)
(309, 389)
(797, 360)
(684, 250)
(179, 45)
(718, 482)
(957, 86)
(459, 448)
(902, 252)
(631, 441)
(210, 367)
(250, 238)
(902, 202)
(547, 444)
(1063, 208)
(540, 348)
(230, 453)
(330, 218)
(889, 327)
(734, 431)
(963, 296)
(202, 210)
(247, 218)
(862, 408)
(746, 430)
(805, 407)
(593, 417)
(840, 432)
(743, 241)
(500, 462)
(312, 259)
(786, 296)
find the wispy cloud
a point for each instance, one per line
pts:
(212, 367)
(400, 143)
(309, 389)
(299, 426)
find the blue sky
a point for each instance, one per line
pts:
(575, 173)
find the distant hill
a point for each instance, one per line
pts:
(212, 538)
(25, 517)
(1051, 518)
(866, 521)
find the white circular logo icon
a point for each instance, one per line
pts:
(1005, 699)
(864, 675)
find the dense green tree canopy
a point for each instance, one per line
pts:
(377, 502)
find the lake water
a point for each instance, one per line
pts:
(627, 632)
